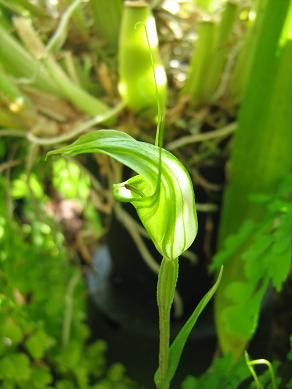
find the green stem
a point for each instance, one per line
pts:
(18, 62)
(221, 48)
(260, 159)
(136, 61)
(11, 131)
(107, 16)
(251, 363)
(69, 302)
(10, 92)
(101, 118)
(79, 97)
(240, 74)
(200, 63)
(59, 37)
(167, 279)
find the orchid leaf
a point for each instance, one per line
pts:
(179, 342)
(162, 192)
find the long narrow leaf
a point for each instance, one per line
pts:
(179, 342)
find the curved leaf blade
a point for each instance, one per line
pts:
(166, 206)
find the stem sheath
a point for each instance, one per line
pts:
(167, 279)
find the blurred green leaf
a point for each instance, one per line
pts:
(10, 330)
(38, 343)
(267, 257)
(15, 367)
(41, 376)
(261, 157)
(70, 180)
(223, 373)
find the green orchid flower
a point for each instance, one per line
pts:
(164, 199)
(163, 196)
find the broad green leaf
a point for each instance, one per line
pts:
(179, 342)
(239, 291)
(38, 344)
(10, 330)
(262, 152)
(245, 323)
(223, 373)
(41, 376)
(164, 199)
(64, 385)
(265, 258)
(279, 273)
(15, 367)
(233, 243)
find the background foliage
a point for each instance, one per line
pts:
(228, 97)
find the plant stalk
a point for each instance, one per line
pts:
(78, 96)
(200, 63)
(240, 74)
(223, 37)
(137, 85)
(18, 62)
(167, 279)
(261, 157)
(107, 16)
(79, 21)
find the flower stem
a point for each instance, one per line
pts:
(167, 279)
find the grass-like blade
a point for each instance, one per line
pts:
(179, 342)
